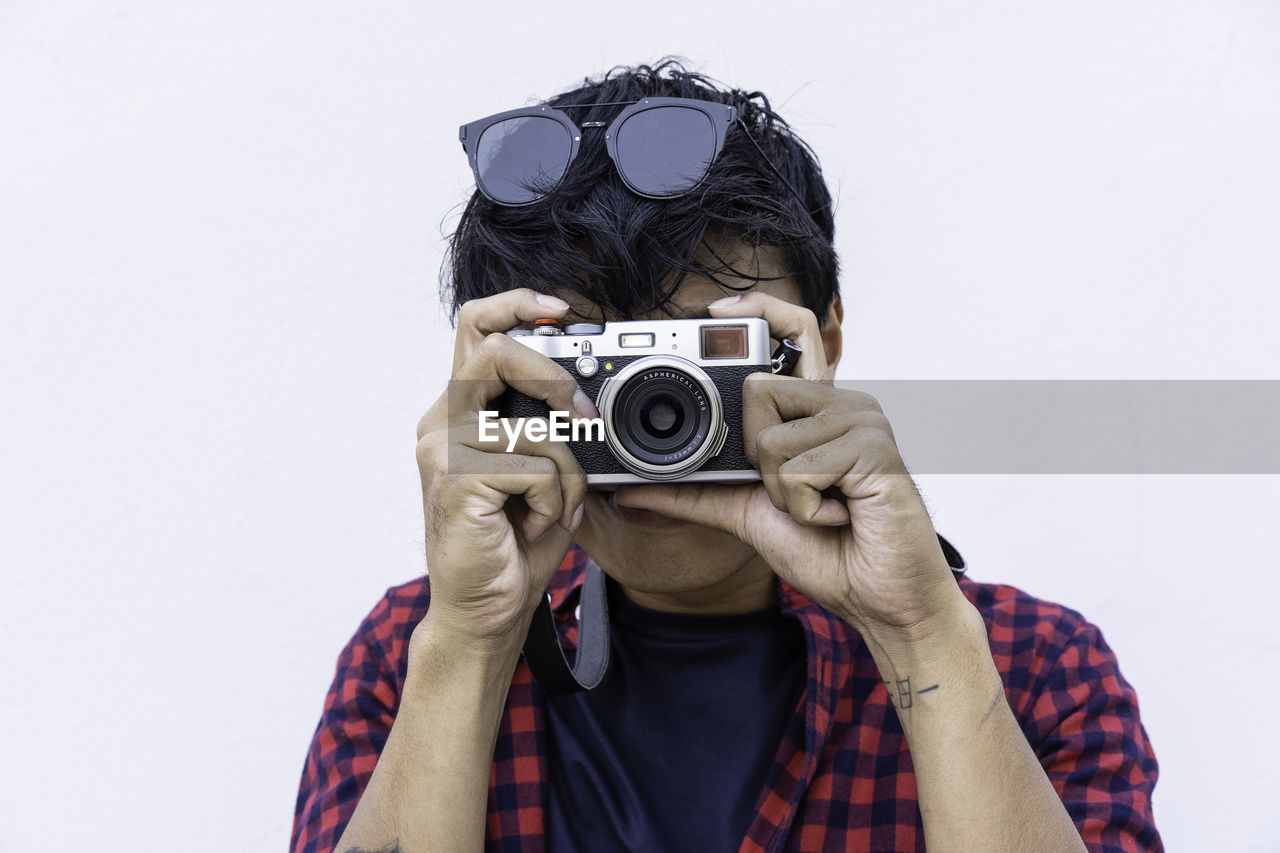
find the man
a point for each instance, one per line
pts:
(794, 665)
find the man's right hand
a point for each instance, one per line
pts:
(498, 524)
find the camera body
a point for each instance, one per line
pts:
(669, 393)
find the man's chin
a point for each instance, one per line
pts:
(651, 544)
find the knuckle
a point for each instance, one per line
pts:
(570, 468)
(876, 437)
(791, 479)
(806, 316)
(756, 385)
(868, 421)
(863, 401)
(778, 501)
(825, 415)
(468, 312)
(542, 467)
(880, 424)
(769, 442)
(493, 344)
(429, 458)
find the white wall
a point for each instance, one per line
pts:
(220, 235)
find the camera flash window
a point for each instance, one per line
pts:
(627, 340)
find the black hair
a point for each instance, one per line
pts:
(627, 254)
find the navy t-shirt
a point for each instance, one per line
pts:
(671, 750)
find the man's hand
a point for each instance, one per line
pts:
(837, 515)
(498, 524)
(491, 557)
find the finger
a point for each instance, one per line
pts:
(768, 400)
(802, 481)
(774, 446)
(497, 477)
(501, 312)
(856, 463)
(784, 417)
(717, 506)
(853, 458)
(501, 362)
(792, 399)
(786, 320)
(515, 438)
(800, 459)
(548, 551)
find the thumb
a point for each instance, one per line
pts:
(717, 506)
(546, 553)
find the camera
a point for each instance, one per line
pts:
(669, 394)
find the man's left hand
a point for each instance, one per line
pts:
(837, 515)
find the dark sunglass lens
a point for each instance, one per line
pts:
(665, 151)
(521, 159)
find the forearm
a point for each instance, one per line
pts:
(979, 784)
(429, 790)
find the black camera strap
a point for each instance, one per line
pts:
(542, 650)
(547, 660)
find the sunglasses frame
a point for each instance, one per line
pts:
(720, 115)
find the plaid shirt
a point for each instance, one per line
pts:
(846, 784)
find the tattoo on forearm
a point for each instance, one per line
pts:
(903, 691)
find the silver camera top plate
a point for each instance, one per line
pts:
(681, 338)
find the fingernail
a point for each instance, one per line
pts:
(724, 303)
(582, 405)
(552, 302)
(577, 516)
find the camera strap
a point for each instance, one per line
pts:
(548, 662)
(546, 658)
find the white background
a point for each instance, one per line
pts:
(220, 238)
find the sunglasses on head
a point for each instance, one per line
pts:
(663, 147)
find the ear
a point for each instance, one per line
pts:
(833, 336)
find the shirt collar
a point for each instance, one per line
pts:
(831, 637)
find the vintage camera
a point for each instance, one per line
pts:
(669, 393)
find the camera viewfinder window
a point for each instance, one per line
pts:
(724, 341)
(635, 339)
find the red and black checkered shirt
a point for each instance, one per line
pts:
(849, 785)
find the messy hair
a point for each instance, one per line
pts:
(628, 254)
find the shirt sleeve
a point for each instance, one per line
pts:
(358, 712)
(1085, 728)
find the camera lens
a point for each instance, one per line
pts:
(662, 416)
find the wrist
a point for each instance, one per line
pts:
(953, 627)
(442, 642)
(484, 625)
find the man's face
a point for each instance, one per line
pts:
(671, 564)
